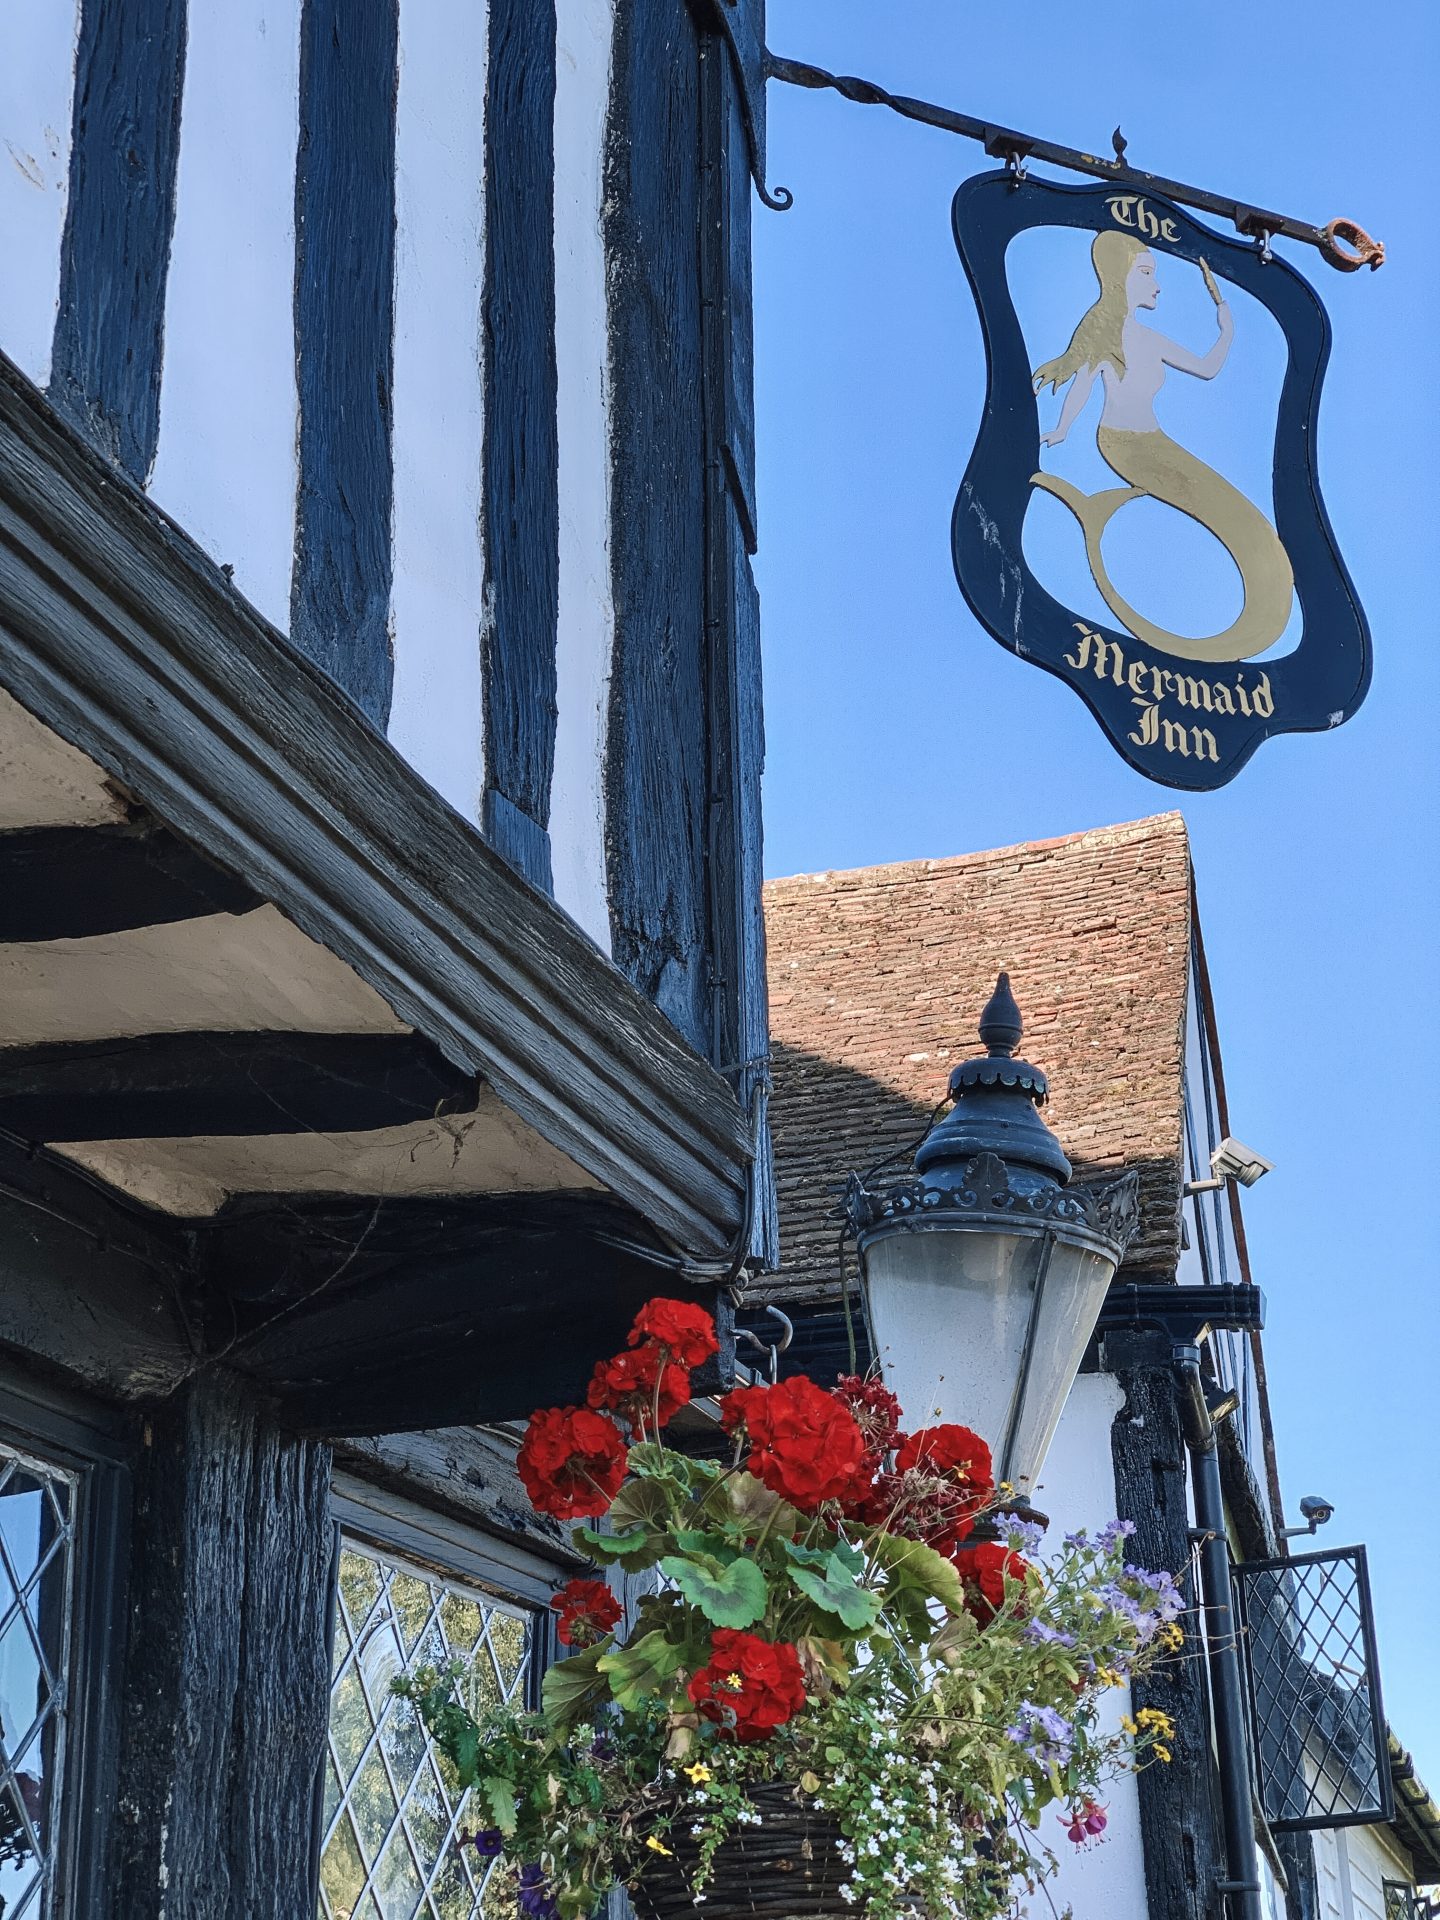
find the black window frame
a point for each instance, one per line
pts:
(96, 1444)
(391, 1522)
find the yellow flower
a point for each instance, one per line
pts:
(733, 1682)
(1128, 1726)
(1162, 1753)
(699, 1773)
(1152, 1720)
(1171, 1636)
(1108, 1677)
(658, 1846)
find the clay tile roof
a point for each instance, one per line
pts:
(877, 978)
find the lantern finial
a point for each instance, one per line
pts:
(1000, 1023)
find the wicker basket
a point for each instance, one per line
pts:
(787, 1868)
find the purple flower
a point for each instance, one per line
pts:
(489, 1843)
(1041, 1635)
(1024, 1535)
(1042, 1733)
(1111, 1534)
(602, 1747)
(1167, 1600)
(534, 1895)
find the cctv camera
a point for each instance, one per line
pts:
(1315, 1511)
(1233, 1160)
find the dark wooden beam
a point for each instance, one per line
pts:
(226, 1669)
(344, 344)
(414, 1313)
(521, 456)
(119, 217)
(93, 1285)
(173, 1085)
(657, 820)
(118, 633)
(71, 883)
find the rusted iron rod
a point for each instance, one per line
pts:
(1341, 242)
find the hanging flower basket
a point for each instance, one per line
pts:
(786, 1866)
(833, 1696)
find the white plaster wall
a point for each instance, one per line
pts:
(225, 466)
(587, 616)
(37, 77)
(1077, 1489)
(1370, 1857)
(436, 596)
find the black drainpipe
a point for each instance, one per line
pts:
(1222, 1645)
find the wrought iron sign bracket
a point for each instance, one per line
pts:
(1343, 243)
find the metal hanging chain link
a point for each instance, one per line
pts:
(1343, 243)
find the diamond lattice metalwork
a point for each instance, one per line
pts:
(1317, 1721)
(37, 1552)
(394, 1816)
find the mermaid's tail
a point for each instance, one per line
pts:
(1156, 465)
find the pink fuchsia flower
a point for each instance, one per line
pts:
(1087, 1822)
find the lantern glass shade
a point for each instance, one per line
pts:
(986, 1326)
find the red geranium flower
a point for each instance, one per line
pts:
(587, 1610)
(982, 1569)
(686, 1331)
(626, 1386)
(572, 1462)
(956, 1452)
(875, 1408)
(804, 1445)
(751, 1686)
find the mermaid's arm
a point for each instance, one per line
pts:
(1204, 366)
(1074, 405)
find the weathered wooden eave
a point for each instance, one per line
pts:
(118, 633)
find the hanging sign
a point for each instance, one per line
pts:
(1186, 710)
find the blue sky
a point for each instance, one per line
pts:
(897, 729)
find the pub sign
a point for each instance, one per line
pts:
(1184, 709)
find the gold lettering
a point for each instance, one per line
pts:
(1135, 678)
(1167, 229)
(1223, 702)
(1261, 697)
(1205, 747)
(1174, 741)
(1120, 205)
(1243, 698)
(1108, 657)
(1148, 730)
(1192, 693)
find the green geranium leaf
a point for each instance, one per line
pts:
(705, 1546)
(573, 1689)
(833, 1587)
(733, 1596)
(805, 1556)
(642, 1503)
(756, 1509)
(500, 1798)
(635, 1549)
(910, 1563)
(642, 1670)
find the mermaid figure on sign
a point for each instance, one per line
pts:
(1131, 360)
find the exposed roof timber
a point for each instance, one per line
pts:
(71, 883)
(1417, 1818)
(119, 634)
(415, 1313)
(175, 1085)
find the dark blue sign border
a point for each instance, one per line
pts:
(1314, 687)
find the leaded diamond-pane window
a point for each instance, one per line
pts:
(393, 1815)
(37, 1550)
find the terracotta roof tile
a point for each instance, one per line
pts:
(877, 977)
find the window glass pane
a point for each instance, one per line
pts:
(393, 1818)
(37, 1542)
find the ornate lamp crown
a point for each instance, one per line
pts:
(996, 1108)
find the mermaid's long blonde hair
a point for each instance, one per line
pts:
(1097, 337)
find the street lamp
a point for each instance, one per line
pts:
(984, 1277)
